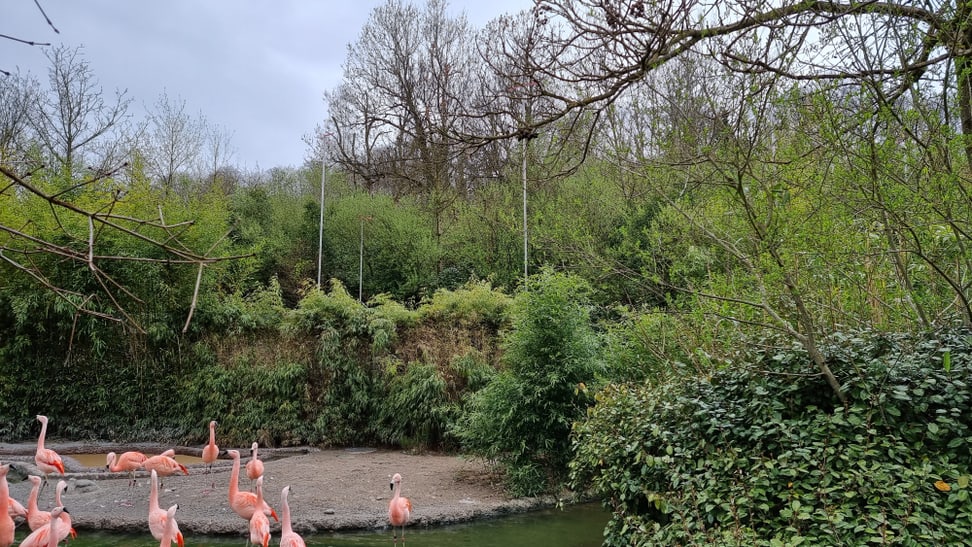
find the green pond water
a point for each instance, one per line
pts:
(575, 526)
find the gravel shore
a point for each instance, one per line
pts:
(330, 489)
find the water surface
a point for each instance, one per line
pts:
(575, 526)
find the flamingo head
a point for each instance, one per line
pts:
(396, 479)
(34, 479)
(235, 454)
(111, 459)
(42, 419)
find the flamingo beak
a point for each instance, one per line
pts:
(391, 486)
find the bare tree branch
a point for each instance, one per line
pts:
(110, 288)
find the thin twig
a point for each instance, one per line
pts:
(46, 18)
(195, 298)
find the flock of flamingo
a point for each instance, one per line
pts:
(50, 528)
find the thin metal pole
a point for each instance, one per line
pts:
(361, 260)
(526, 237)
(320, 230)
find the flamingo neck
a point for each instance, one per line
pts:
(40, 438)
(285, 521)
(32, 498)
(52, 535)
(154, 495)
(212, 434)
(234, 477)
(4, 491)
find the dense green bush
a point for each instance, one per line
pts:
(523, 417)
(252, 401)
(761, 453)
(474, 302)
(416, 409)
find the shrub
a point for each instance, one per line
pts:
(474, 302)
(522, 418)
(762, 454)
(416, 411)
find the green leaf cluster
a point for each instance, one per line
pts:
(522, 418)
(760, 453)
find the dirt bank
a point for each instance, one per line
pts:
(330, 489)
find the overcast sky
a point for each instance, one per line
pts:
(258, 69)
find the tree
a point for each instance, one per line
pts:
(17, 95)
(220, 141)
(869, 59)
(606, 47)
(73, 115)
(403, 80)
(174, 140)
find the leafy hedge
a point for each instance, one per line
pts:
(333, 372)
(760, 453)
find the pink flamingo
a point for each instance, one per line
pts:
(158, 518)
(169, 534)
(244, 503)
(33, 520)
(210, 452)
(288, 538)
(48, 536)
(165, 465)
(6, 522)
(254, 467)
(129, 462)
(16, 509)
(399, 508)
(36, 517)
(259, 523)
(46, 459)
(65, 517)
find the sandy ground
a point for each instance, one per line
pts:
(330, 489)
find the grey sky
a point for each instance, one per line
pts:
(258, 69)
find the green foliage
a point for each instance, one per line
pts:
(263, 224)
(266, 403)
(646, 346)
(261, 309)
(523, 417)
(760, 454)
(337, 309)
(416, 410)
(474, 302)
(399, 253)
(486, 239)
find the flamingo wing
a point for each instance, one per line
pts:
(48, 461)
(15, 509)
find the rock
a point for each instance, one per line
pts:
(19, 471)
(83, 486)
